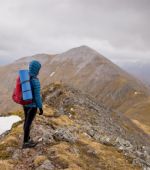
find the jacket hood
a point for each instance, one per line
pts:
(34, 68)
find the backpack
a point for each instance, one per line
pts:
(17, 94)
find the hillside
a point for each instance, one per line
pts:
(87, 70)
(76, 133)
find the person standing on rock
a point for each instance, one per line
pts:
(30, 110)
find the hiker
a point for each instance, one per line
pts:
(30, 110)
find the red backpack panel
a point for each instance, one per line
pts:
(17, 94)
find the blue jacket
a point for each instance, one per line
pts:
(34, 69)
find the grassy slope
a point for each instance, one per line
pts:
(140, 114)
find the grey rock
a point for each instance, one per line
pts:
(61, 110)
(47, 138)
(47, 165)
(92, 152)
(123, 142)
(96, 136)
(16, 154)
(140, 154)
(121, 148)
(105, 140)
(10, 149)
(45, 133)
(142, 163)
(91, 132)
(64, 134)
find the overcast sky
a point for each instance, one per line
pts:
(118, 29)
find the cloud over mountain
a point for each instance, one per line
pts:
(119, 30)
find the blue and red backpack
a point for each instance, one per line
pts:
(18, 95)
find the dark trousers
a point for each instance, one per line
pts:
(29, 114)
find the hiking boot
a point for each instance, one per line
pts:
(29, 144)
(32, 141)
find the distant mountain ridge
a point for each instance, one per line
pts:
(84, 69)
(140, 69)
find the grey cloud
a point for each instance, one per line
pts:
(118, 29)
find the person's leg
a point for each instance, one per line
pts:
(30, 117)
(25, 116)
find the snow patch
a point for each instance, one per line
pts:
(51, 75)
(7, 122)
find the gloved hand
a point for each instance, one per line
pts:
(41, 111)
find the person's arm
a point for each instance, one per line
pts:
(37, 94)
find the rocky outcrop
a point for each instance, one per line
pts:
(100, 123)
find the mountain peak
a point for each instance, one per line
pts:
(81, 53)
(84, 49)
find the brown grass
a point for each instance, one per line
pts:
(10, 140)
(5, 165)
(90, 155)
(39, 160)
(140, 112)
(48, 111)
(62, 121)
(145, 128)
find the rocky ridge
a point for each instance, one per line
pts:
(74, 133)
